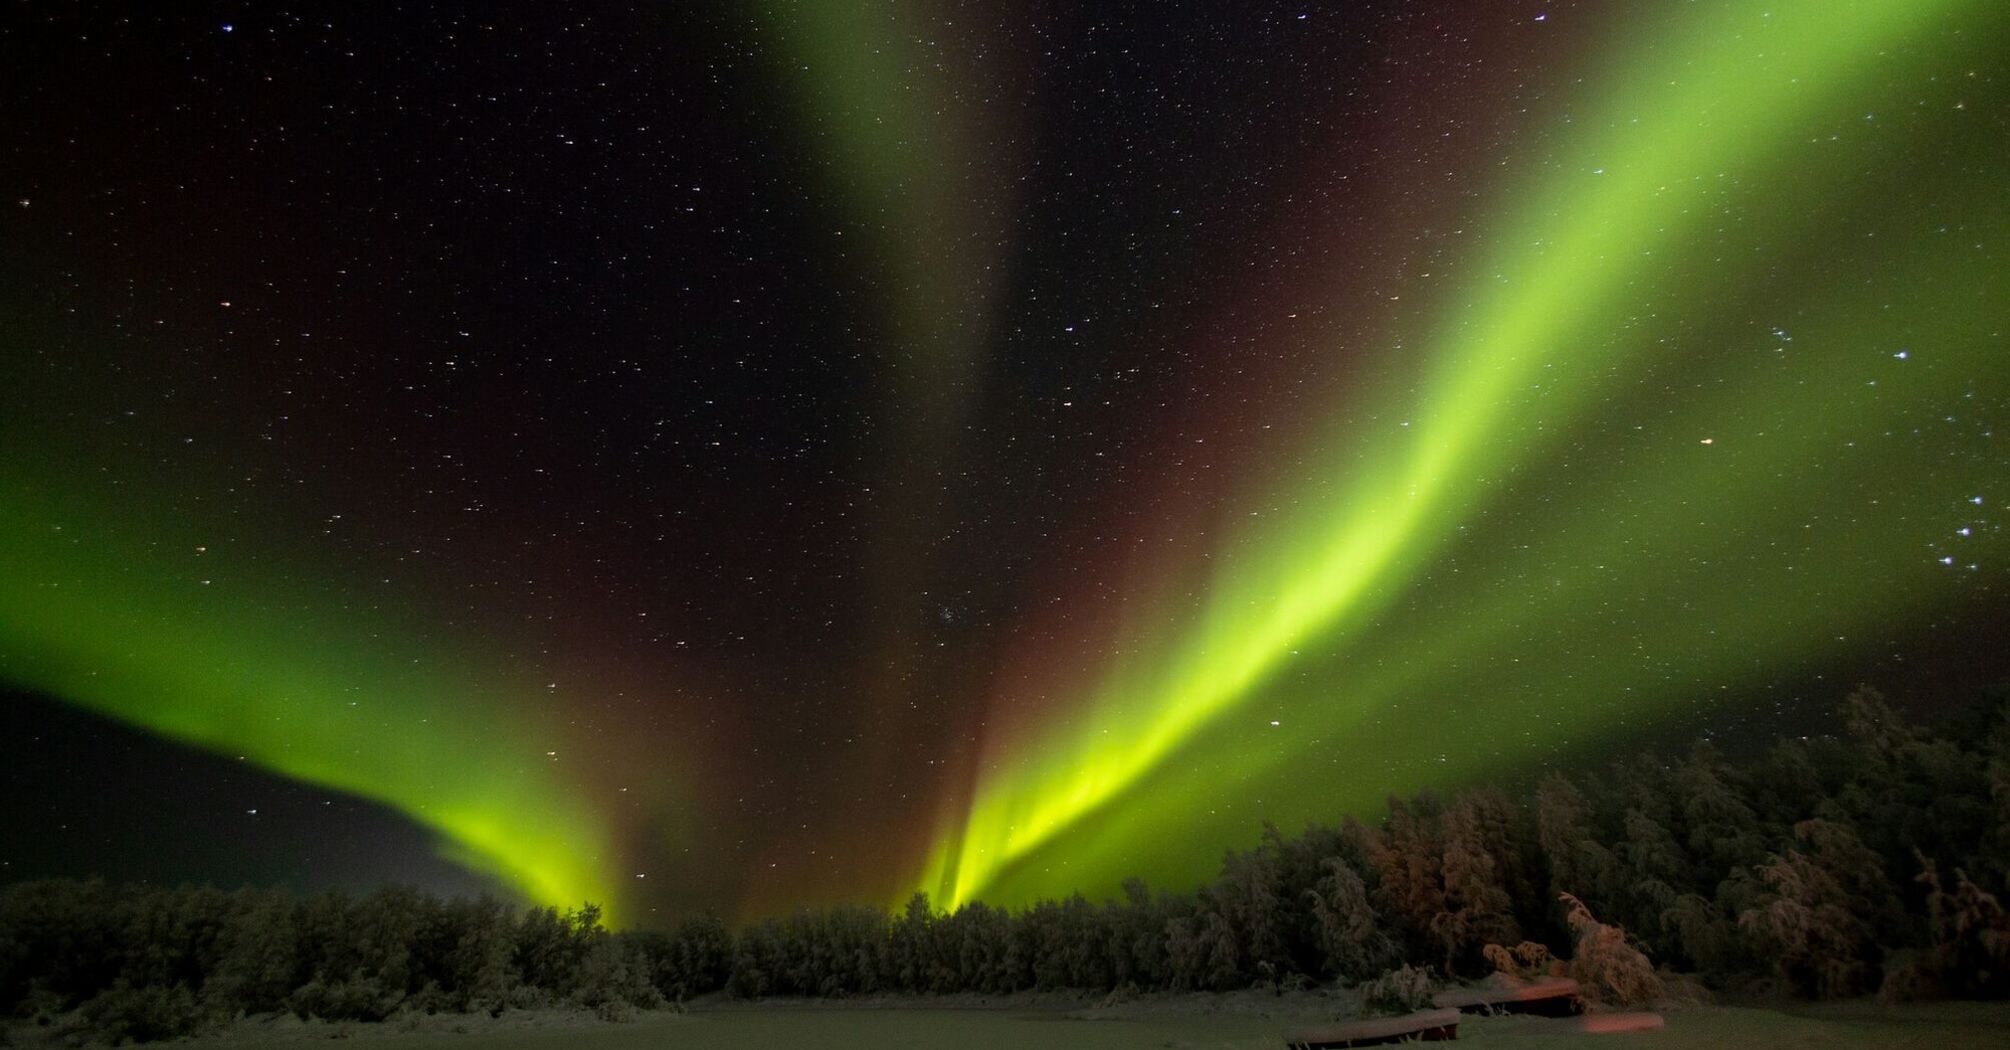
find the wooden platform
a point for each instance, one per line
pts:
(1554, 997)
(1425, 1025)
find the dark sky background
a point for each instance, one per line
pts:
(736, 428)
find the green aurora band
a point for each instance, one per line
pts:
(1660, 446)
(93, 610)
(1699, 229)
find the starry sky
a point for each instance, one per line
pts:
(730, 456)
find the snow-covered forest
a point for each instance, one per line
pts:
(1872, 861)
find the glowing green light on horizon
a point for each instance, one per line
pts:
(90, 613)
(1537, 339)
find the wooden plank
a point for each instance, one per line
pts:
(1424, 1025)
(1554, 997)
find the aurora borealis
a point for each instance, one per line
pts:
(756, 455)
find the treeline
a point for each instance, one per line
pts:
(143, 962)
(1872, 861)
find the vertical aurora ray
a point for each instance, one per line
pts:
(1701, 150)
(93, 612)
(882, 96)
(898, 102)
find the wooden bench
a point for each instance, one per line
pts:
(1426, 1025)
(1553, 997)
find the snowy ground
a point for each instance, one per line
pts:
(1180, 1023)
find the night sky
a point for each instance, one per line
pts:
(728, 456)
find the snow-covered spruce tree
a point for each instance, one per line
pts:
(1611, 971)
(1822, 907)
(1248, 897)
(1477, 909)
(1407, 855)
(1967, 950)
(1352, 943)
(1574, 845)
